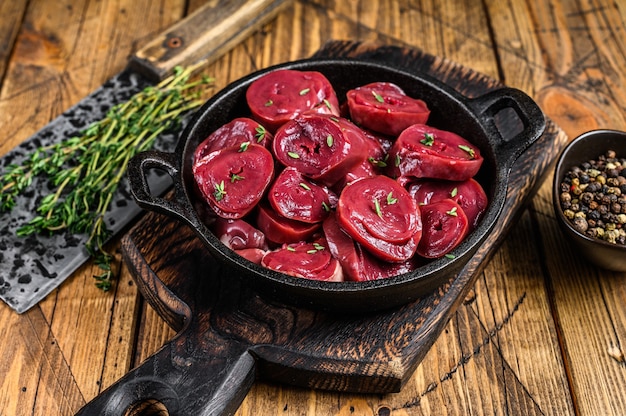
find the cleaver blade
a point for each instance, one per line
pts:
(32, 267)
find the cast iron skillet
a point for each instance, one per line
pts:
(474, 119)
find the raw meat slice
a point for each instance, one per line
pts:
(238, 234)
(281, 230)
(234, 179)
(381, 215)
(282, 95)
(385, 108)
(255, 255)
(234, 133)
(470, 196)
(318, 147)
(426, 152)
(308, 260)
(357, 264)
(295, 197)
(445, 226)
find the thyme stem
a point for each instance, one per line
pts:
(87, 169)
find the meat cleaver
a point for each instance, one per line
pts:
(31, 267)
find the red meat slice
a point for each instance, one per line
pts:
(281, 95)
(234, 179)
(234, 133)
(255, 255)
(279, 230)
(426, 152)
(308, 260)
(374, 153)
(295, 197)
(357, 264)
(363, 170)
(238, 234)
(385, 108)
(318, 147)
(381, 215)
(445, 226)
(468, 194)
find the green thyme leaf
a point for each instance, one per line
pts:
(376, 162)
(260, 133)
(428, 139)
(234, 177)
(219, 191)
(378, 97)
(467, 149)
(377, 208)
(244, 146)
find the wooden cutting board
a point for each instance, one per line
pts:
(228, 335)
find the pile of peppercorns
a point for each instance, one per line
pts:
(593, 198)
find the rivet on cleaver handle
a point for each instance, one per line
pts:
(204, 35)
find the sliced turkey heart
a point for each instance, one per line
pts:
(255, 255)
(385, 108)
(422, 151)
(308, 260)
(357, 264)
(280, 96)
(381, 215)
(233, 180)
(238, 234)
(295, 197)
(234, 133)
(319, 147)
(374, 154)
(445, 226)
(470, 196)
(279, 229)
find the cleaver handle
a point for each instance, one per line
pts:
(203, 36)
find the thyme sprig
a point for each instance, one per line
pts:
(84, 171)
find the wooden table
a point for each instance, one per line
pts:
(543, 331)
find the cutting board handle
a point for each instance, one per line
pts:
(204, 36)
(184, 382)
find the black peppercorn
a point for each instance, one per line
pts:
(593, 187)
(593, 198)
(586, 198)
(616, 208)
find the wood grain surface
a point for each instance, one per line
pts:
(541, 332)
(223, 323)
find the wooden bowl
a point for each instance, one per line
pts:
(588, 146)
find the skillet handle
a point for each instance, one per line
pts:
(184, 382)
(532, 118)
(137, 171)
